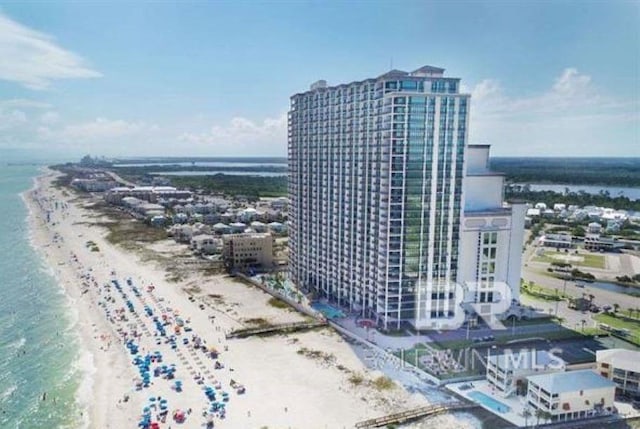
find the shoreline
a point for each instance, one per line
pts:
(91, 363)
(271, 368)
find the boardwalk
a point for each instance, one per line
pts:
(275, 329)
(416, 413)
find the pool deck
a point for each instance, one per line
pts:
(515, 403)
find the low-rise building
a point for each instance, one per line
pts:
(221, 228)
(596, 242)
(594, 228)
(570, 395)
(507, 372)
(181, 233)
(258, 226)
(238, 227)
(147, 193)
(622, 366)
(99, 184)
(563, 241)
(206, 244)
(248, 251)
(277, 227)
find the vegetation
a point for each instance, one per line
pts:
(576, 273)
(579, 171)
(356, 379)
(629, 279)
(275, 302)
(559, 259)
(582, 199)
(253, 187)
(327, 358)
(258, 322)
(619, 321)
(383, 383)
(540, 292)
(141, 170)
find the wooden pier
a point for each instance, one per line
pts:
(416, 413)
(275, 329)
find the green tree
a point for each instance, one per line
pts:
(526, 413)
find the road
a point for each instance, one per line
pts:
(119, 179)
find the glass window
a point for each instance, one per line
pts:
(409, 85)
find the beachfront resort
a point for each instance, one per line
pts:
(421, 279)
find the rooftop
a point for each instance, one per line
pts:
(620, 358)
(571, 381)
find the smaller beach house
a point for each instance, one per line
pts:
(571, 395)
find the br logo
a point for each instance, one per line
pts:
(444, 306)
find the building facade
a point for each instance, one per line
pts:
(507, 373)
(491, 238)
(571, 395)
(623, 368)
(246, 252)
(376, 181)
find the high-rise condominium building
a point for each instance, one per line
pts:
(376, 178)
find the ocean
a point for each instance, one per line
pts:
(41, 371)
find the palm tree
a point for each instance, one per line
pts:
(591, 298)
(539, 415)
(616, 307)
(526, 413)
(583, 322)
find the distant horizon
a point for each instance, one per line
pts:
(24, 157)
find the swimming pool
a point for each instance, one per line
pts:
(489, 402)
(329, 311)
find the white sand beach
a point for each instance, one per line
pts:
(303, 380)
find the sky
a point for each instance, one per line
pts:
(213, 78)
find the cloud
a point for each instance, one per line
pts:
(100, 130)
(243, 136)
(13, 118)
(50, 117)
(572, 117)
(34, 60)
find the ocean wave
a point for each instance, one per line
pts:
(84, 395)
(7, 393)
(17, 344)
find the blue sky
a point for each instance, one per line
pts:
(214, 78)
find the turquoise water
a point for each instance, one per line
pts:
(329, 311)
(488, 401)
(38, 345)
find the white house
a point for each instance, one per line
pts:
(507, 372)
(571, 395)
(594, 228)
(182, 233)
(258, 226)
(221, 228)
(238, 227)
(622, 366)
(556, 240)
(206, 244)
